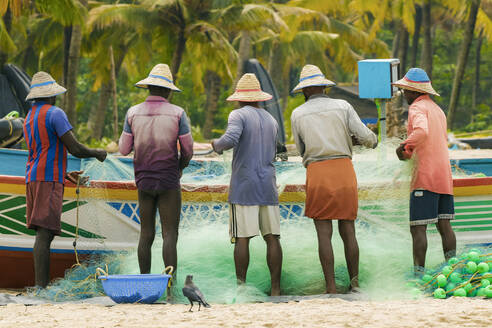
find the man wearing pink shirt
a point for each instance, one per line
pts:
(153, 129)
(431, 198)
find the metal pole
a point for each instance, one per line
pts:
(382, 121)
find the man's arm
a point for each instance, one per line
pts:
(79, 150)
(63, 129)
(125, 144)
(185, 141)
(361, 132)
(231, 137)
(301, 147)
(420, 129)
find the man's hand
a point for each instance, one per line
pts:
(213, 147)
(101, 154)
(75, 176)
(355, 142)
(400, 152)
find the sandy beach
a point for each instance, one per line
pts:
(454, 312)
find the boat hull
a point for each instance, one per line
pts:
(108, 217)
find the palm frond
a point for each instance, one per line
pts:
(121, 15)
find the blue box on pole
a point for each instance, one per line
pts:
(376, 76)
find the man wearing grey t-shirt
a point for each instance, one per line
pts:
(253, 197)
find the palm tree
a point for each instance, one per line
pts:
(9, 9)
(462, 59)
(178, 25)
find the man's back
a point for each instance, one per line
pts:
(43, 127)
(252, 132)
(323, 127)
(430, 145)
(156, 126)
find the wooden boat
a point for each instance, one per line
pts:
(109, 221)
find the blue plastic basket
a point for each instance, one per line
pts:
(138, 288)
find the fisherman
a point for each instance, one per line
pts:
(431, 197)
(153, 129)
(48, 135)
(253, 197)
(323, 129)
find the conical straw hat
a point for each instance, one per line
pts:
(311, 76)
(160, 76)
(416, 79)
(248, 89)
(44, 86)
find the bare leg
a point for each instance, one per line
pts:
(351, 248)
(448, 238)
(41, 254)
(191, 306)
(419, 239)
(241, 258)
(170, 211)
(147, 206)
(324, 229)
(274, 260)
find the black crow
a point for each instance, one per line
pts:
(193, 293)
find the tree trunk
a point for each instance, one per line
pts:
(116, 134)
(7, 21)
(426, 60)
(96, 120)
(462, 59)
(416, 36)
(213, 83)
(243, 54)
(178, 54)
(70, 99)
(476, 82)
(284, 94)
(67, 37)
(403, 50)
(97, 114)
(396, 39)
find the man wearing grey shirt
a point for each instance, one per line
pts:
(323, 129)
(253, 197)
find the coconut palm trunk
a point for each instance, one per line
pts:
(426, 60)
(462, 59)
(403, 49)
(97, 113)
(67, 37)
(113, 95)
(70, 102)
(416, 36)
(7, 21)
(213, 83)
(178, 54)
(476, 82)
(243, 54)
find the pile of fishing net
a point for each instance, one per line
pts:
(469, 275)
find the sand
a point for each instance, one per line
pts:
(453, 312)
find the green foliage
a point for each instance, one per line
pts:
(292, 104)
(285, 35)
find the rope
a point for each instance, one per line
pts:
(77, 191)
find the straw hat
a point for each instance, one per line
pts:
(44, 86)
(416, 79)
(159, 76)
(248, 89)
(311, 76)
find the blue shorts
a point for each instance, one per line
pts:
(427, 207)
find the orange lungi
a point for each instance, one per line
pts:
(331, 190)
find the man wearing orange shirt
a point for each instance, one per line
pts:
(431, 198)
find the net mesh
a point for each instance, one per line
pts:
(205, 252)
